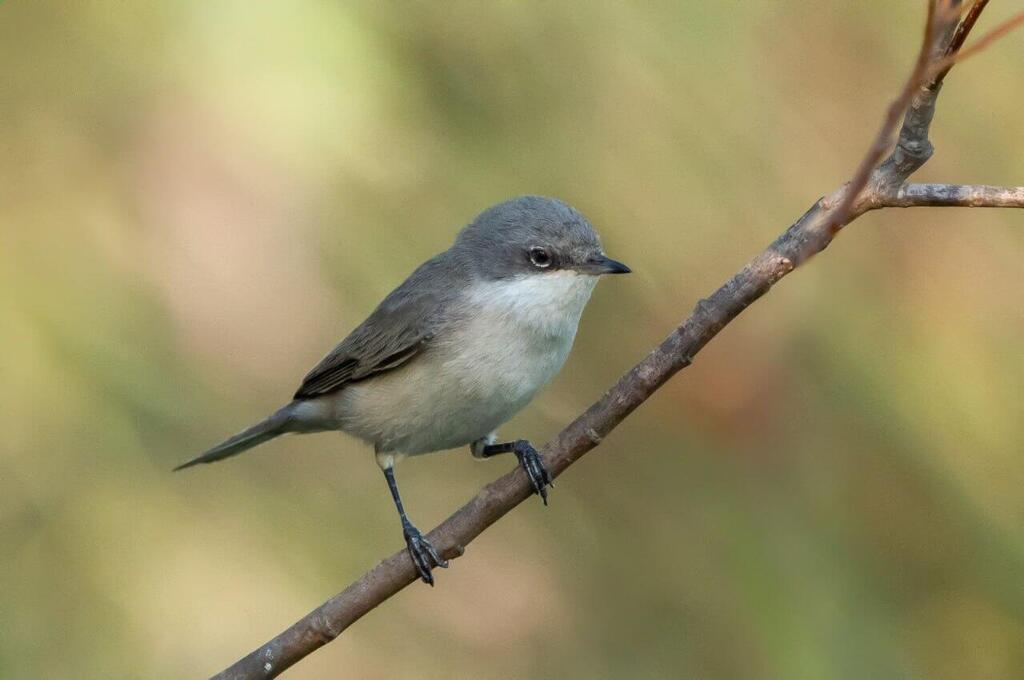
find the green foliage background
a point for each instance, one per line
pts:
(197, 199)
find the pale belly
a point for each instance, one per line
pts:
(438, 403)
(471, 381)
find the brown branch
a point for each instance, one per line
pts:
(808, 235)
(956, 54)
(950, 195)
(941, 48)
(986, 40)
(963, 29)
(937, 16)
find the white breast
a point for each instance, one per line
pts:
(515, 337)
(521, 333)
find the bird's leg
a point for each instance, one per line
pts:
(424, 556)
(529, 460)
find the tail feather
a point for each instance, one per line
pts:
(277, 424)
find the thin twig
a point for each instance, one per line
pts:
(983, 42)
(950, 195)
(963, 29)
(883, 140)
(990, 37)
(928, 74)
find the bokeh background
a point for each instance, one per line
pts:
(198, 199)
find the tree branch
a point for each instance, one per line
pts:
(959, 54)
(913, 149)
(953, 195)
(876, 187)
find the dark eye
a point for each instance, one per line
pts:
(540, 257)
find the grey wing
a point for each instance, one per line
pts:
(399, 329)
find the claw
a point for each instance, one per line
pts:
(424, 556)
(533, 465)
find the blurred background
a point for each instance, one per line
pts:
(198, 199)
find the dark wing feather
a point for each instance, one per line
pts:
(399, 329)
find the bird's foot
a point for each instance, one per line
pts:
(424, 556)
(533, 465)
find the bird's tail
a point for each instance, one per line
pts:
(277, 424)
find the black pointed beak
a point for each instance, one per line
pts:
(602, 264)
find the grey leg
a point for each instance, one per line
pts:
(424, 556)
(529, 460)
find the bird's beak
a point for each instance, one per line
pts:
(602, 264)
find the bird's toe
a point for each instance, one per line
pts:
(532, 463)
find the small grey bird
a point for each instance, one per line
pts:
(456, 350)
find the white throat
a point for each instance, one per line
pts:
(547, 304)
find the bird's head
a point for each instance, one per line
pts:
(533, 236)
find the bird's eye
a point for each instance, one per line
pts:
(540, 257)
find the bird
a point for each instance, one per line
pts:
(456, 350)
